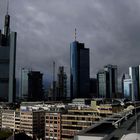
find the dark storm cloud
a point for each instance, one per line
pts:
(110, 28)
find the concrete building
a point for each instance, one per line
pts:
(32, 122)
(8, 119)
(7, 62)
(53, 125)
(116, 127)
(76, 120)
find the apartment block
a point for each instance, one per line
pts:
(32, 123)
(52, 126)
(8, 119)
(17, 121)
(76, 120)
(0, 119)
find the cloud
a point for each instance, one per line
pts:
(110, 28)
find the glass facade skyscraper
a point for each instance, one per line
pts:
(134, 73)
(107, 82)
(35, 86)
(127, 88)
(79, 69)
(103, 86)
(7, 62)
(24, 83)
(61, 84)
(113, 80)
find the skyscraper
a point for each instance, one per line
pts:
(134, 73)
(79, 70)
(127, 88)
(61, 84)
(35, 86)
(103, 84)
(107, 82)
(113, 80)
(7, 62)
(24, 83)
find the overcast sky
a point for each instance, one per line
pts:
(110, 28)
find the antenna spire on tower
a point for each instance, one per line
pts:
(7, 7)
(75, 34)
(7, 21)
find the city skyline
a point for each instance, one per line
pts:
(110, 29)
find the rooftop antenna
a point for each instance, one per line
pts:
(7, 12)
(75, 34)
(7, 23)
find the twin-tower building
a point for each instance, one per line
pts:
(7, 62)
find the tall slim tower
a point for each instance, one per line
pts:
(35, 86)
(24, 83)
(113, 80)
(79, 70)
(103, 84)
(7, 62)
(107, 82)
(61, 84)
(134, 73)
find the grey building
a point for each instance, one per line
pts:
(113, 80)
(103, 84)
(127, 88)
(24, 83)
(134, 73)
(7, 62)
(79, 70)
(107, 82)
(61, 84)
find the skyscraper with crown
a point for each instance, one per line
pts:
(7, 62)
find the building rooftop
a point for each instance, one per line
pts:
(114, 128)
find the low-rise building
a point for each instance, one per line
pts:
(32, 123)
(53, 125)
(8, 119)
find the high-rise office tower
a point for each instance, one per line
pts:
(134, 73)
(61, 84)
(127, 88)
(7, 62)
(107, 82)
(24, 83)
(93, 87)
(79, 70)
(113, 80)
(124, 77)
(35, 86)
(103, 84)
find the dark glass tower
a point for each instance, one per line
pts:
(7, 62)
(113, 80)
(79, 69)
(107, 82)
(134, 73)
(35, 86)
(61, 84)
